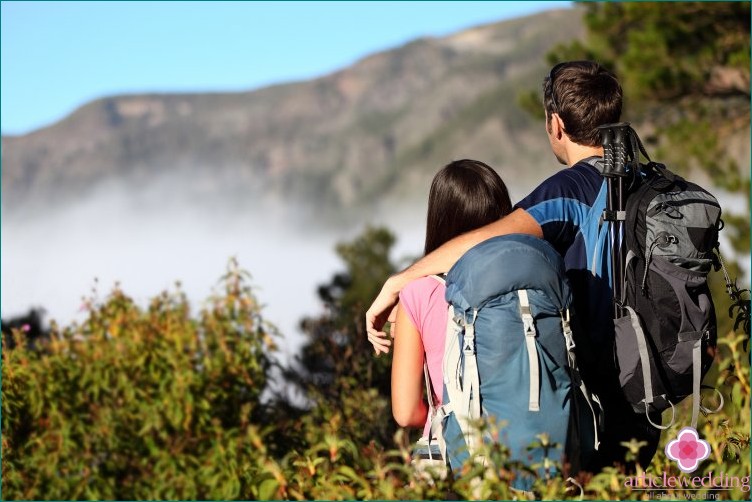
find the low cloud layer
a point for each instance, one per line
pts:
(55, 258)
(148, 241)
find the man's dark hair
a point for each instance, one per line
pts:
(585, 95)
(465, 195)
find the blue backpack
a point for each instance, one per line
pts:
(509, 359)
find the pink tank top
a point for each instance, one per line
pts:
(423, 300)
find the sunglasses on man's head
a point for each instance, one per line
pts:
(551, 77)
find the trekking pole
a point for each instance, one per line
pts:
(615, 140)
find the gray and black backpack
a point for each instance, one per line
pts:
(665, 342)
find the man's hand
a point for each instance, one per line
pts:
(382, 310)
(438, 261)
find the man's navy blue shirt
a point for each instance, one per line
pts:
(568, 207)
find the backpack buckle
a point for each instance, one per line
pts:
(528, 324)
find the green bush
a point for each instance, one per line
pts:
(138, 403)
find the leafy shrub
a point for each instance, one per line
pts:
(138, 403)
(336, 364)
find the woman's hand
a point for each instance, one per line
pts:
(382, 310)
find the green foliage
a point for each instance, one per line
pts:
(531, 102)
(138, 403)
(368, 266)
(668, 49)
(157, 403)
(337, 362)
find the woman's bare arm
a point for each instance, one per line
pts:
(408, 407)
(437, 262)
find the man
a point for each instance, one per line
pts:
(578, 97)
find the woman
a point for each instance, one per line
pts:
(465, 195)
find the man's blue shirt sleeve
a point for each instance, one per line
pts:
(560, 206)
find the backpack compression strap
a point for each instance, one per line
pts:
(697, 381)
(461, 380)
(642, 348)
(450, 359)
(528, 324)
(433, 412)
(696, 338)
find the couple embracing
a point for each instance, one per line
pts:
(469, 204)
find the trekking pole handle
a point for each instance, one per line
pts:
(607, 140)
(620, 151)
(615, 138)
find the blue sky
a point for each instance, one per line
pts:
(57, 56)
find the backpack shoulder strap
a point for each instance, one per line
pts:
(426, 373)
(429, 389)
(592, 400)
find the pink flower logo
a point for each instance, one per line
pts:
(688, 450)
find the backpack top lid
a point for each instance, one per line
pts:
(504, 264)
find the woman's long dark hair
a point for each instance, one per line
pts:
(465, 195)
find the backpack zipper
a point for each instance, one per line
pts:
(661, 240)
(661, 206)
